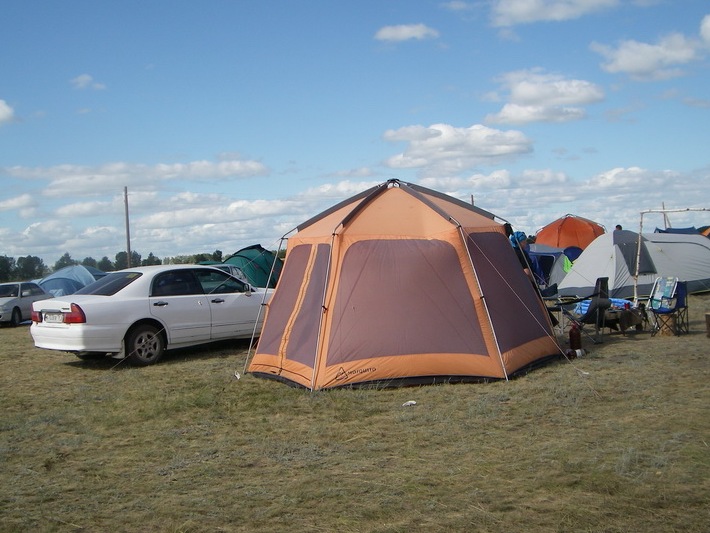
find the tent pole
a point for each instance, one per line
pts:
(638, 260)
(319, 343)
(666, 221)
(263, 304)
(253, 335)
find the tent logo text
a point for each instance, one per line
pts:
(344, 374)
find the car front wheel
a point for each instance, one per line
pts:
(144, 345)
(16, 318)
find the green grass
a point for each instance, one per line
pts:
(616, 441)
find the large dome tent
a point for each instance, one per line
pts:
(401, 284)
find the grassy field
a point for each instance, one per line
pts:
(616, 441)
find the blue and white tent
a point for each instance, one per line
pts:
(615, 255)
(549, 264)
(69, 279)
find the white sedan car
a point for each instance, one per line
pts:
(16, 299)
(139, 313)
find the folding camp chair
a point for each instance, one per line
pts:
(595, 311)
(668, 305)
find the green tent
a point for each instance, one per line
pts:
(256, 262)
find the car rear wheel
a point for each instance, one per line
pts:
(16, 318)
(144, 345)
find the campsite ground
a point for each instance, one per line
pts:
(616, 441)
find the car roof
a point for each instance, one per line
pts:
(161, 268)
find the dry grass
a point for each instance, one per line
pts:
(616, 441)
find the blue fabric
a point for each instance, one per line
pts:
(582, 306)
(517, 237)
(681, 293)
(684, 231)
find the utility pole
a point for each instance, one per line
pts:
(128, 228)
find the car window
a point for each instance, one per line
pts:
(217, 282)
(175, 283)
(233, 270)
(9, 291)
(35, 290)
(110, 284)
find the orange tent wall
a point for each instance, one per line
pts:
(401, 292)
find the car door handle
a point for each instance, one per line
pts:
(161, 303)
(218, 301)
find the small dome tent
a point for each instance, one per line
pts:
(569, 230)
(261, 266)
(401, 284)
(70, 279)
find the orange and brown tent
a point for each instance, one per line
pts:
(401, 284)
(569, 230)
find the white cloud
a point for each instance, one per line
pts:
(6, 112)
(182, 223)
(644, 62)
(85, 81)
(519, 114)
(412, 133)
(632, 178)
(496, 180)
(85, 209)
(532, 198)
(18, 202)
(536, 96)
(546, 177)
(405, 32)
(512, 12)
(442, 149)
(76, 180)
(361, 172)
(336, 191)
(208, 170)
(457, 5)
(701, 103)
(48, 234)
(533, 87)
(705, 29)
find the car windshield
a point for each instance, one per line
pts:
(9, 291)
(110, 284)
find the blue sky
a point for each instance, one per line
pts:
(230, 122)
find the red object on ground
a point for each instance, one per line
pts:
(575, 338)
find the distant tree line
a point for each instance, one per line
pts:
(31, 267)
